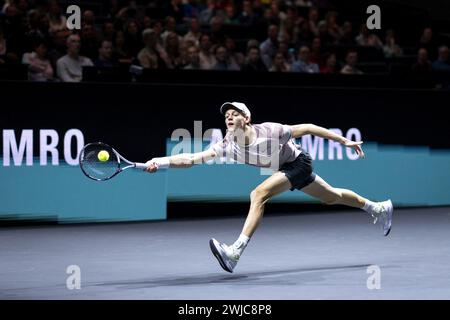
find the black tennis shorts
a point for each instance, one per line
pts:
(300, 171)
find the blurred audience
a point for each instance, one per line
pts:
(223, 61)
(442, 64)
(247, 35)
(39, 66)
(423, 64)
(350, 66)
(105, 55)
(69, 67)
(304, 64)
(253, 61)
(330, 66)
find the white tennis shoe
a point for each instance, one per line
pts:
(226, 255)
(384, 215)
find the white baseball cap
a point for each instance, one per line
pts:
(236, 105)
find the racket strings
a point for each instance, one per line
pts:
(94, 167)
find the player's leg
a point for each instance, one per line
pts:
(275, 184)
(228, 256)
(321, 190)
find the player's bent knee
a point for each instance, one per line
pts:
(259, 195)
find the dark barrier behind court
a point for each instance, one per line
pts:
(137, 119)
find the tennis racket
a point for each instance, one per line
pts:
(101, 169)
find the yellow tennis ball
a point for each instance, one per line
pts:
(103, 155)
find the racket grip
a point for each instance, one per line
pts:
(141, 166)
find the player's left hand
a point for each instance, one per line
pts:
(356, 145)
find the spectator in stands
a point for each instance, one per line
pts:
(193, 60)
(316, 52)
(173, 51)
(333, 29)
(108, 31)
(247, 16)
(39, 67)
(427, 41)
(158, 29)
(305, 34)
(289, 28)
(206, 14)
(324, 36)
(105, 58)
(391, 48)
(88, 17)
(133, 38)
(34, 30)
(234, 56)
(2, 47)
(194, 32)
(174, 9)
(274, 14)
(230, 15)
(170, 27)
(442, 64)
(120, 51)
(304, 64)
(69, 67)
(207, 59)
(191, 9)
(216, 31)
(89, 41)
(44, 26)
(330, 66)
(147, 23)
(367, 39)
(362, 39)
(252, 43)
(279, 64)
(423, 64)
(313, 21)
(258, 7)
(223, 62)
(59, 46)
(153, 56)
(303, 3)
(253, 61)
(57, 21)
(351, 61)
(288, 53)
(270, 46)
(347, 34)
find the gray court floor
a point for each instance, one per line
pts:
(305, 256)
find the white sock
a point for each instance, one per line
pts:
(371, 207)
(240, 244)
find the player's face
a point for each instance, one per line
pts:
(234, 120)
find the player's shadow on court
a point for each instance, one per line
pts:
(296, 276)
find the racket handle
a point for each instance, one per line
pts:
(141, 166)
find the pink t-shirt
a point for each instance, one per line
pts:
(272, 147)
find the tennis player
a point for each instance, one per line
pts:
(271, 145)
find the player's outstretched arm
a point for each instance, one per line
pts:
(184, 160)
(309, 128)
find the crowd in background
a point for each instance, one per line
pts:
(285, 36)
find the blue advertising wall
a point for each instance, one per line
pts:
(410, 176)
(64, 194)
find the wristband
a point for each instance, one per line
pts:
(162, 163)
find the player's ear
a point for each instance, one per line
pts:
(247, 120)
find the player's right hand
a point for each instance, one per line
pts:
(151, 166)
